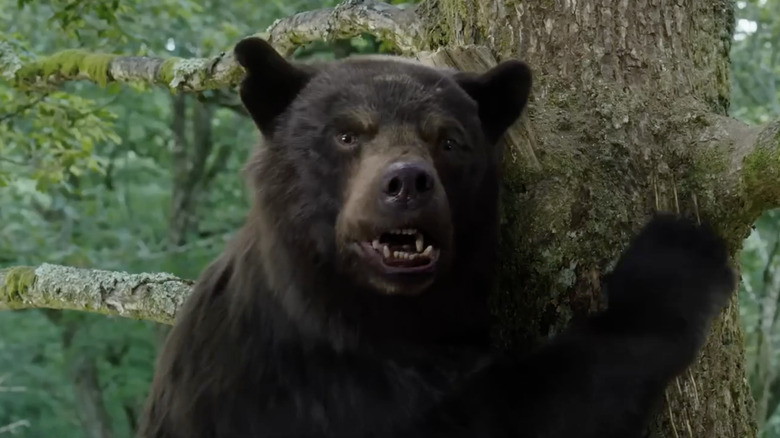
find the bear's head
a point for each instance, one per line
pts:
(379, 170)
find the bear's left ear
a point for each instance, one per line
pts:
(501, 93)
(271, 82)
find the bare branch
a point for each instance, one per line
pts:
(399, 26)
(153, 297)
(393, 24)
(11, 428)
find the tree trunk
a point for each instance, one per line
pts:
(189, 156)
(82, 369)
(623, 93)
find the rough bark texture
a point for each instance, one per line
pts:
(153, 297)
(628, 116)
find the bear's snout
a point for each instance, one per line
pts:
(407, 185)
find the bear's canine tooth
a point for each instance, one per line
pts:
(419, 242)
(375, 244)
(386, 251)
(428, 251)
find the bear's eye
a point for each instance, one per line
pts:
(347, 139)
(449, 144)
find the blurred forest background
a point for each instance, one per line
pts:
(134, 178)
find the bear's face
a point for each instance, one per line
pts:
(392, 153)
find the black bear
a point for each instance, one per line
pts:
(352, 303)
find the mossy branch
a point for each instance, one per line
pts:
(761, 170)
(393, 24)
(152, 297)
(196, 74)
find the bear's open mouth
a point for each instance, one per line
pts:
(403, 250)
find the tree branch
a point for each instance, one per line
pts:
(153, 297)
(736, 176)
(396, 25)
(399, 26)
(195, 74)
(761, 169)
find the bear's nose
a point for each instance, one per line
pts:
(407, 185)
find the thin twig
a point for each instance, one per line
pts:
(11, 428)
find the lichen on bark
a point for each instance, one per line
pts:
(9, 61)
(153, 297)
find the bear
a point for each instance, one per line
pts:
(353, 300)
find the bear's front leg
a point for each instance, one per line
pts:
(602, 377)
(673, 278)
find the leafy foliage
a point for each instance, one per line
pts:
(755, 55)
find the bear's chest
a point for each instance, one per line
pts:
(354, 397)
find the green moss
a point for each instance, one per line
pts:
(96, 66)
(17, 281)
(761, 169)
(65, 63)
(166, 71)
(69, 63)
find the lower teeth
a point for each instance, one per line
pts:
(406, 252)
(404, 255)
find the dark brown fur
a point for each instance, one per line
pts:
(292, 333)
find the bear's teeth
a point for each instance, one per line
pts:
(375, 244)
(419, 242)
(386, 251)
(428, 251)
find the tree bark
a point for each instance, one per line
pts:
(628, 116)
(152, 297)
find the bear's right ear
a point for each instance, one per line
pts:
(271, 82)
(501, 93)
